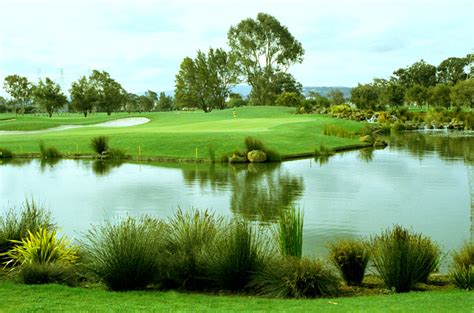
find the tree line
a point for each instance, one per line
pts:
(96, 92)
(446, 85)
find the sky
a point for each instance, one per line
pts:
(142, 43)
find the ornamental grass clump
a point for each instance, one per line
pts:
(239, 251)
(126, 255)
(289, 232)
(403, 258)
(100, 144)
(190, 238)
(48, 152)
(295, 278)
(351, 258)
(462, 272)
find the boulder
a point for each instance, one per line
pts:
(256, 156)
(235, 158)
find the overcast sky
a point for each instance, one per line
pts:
(141, 43)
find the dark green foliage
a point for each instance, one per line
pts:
(14, 225)
(100, 144)
(272, 155)
(237, 254)
(48, 152)
(127, 255)
(462, 273)
(191, 234)
(5, 153)
(255, 144)
(403, 258)
(48, 273)
(118, 154)
(351, 258)
(295, 278)
(289, 232)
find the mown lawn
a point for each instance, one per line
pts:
(179, 134)
(48, 298)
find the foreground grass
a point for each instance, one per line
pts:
(180, 134)
(31, 298)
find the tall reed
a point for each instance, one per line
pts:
(289, 232)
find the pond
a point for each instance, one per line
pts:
(423, 181)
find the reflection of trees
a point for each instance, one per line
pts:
(14, 161)
(50, 162)
(259, 191)
(103, 167)
(450, 145)
(366, 155)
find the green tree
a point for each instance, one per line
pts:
(417, 94)
(83, 95)
(337, 97)
(439, 95)
(131, 102)
(290, 99)
(420, 73)
(391, 92)
(263, 48)
(463, 93)
(20, 89)
(111, 95)
(451, 70)
(165, 103)
(49, 96)
(206, 81)
(319, 100)
(365, 96)
(152, 100)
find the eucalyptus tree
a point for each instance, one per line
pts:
(84, 95)
(111, 95)
(451, 70)
(20, 89)
(49, 96)
(263, 48)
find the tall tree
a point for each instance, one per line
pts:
(83, 95)
(439, 95)
(336, 96)
(417, 94)
(49, 96)
(165, 103)
(263, 47)
(131, 102)
(365, 96)
(451, 70)
(420, 73)
(463, 93)
(112, 96)
(20, 89)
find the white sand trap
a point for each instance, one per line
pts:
(123, 122)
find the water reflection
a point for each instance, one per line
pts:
(103, 167)
(258, 191)
(366, 155)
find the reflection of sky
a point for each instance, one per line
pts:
(345, 197)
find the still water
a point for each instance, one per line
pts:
(423, 181)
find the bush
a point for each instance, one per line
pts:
(253, 144)
(14, 225)
(5, 153)
(127, 255)
(272, 155)
(289, 232)
(117, 154)
(100, 144)
(41, 247)
(295, 278)
(190, 237)
(237, 254)
(351, 258)
(462, 273)
(49, 152)
(47, 273)
(403, 258)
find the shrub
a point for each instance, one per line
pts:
(41, 247)
(126, 255)
(47, 273)
(351, 258)
(190, 237)
(48, 152)
(334, 130)
(14, 225)
(100, 144)
(253, 144)
(118, 154)
(272, 155)
(5, 153)
(403, 258)
(289, 232)
(236, 255)
(295, 278)
(462, 273)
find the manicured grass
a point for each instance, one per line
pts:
(40, 298)
(179, 134)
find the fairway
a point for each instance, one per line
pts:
(181, 135)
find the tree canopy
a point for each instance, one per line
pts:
(49, 96)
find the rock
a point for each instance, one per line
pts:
(380, 143)
(367, 138)
(235, 158)
(256, 156)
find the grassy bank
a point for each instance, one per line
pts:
(183, 134)
(21, 298)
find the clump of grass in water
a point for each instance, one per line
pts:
(351, 258)
(289, 232)
(48, 152)
(403, 258)
(462, 273)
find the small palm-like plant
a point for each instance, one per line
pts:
(41, 247)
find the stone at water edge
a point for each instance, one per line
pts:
(256, 156)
